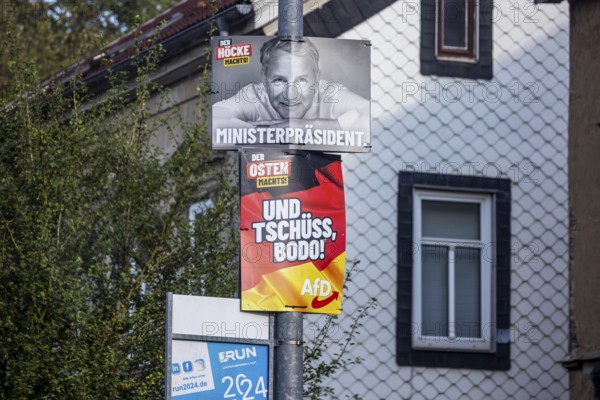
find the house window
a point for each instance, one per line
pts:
(197, 210)
(456, 38)
(456, 30)
(453, 271)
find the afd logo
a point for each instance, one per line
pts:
(189, 366)
(237, 354)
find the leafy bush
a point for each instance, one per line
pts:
(94, 232)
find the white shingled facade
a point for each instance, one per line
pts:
(514, 126)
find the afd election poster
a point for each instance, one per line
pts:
(292, 231)
(307, 94)
(216, 370)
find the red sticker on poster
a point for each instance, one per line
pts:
(293, 231)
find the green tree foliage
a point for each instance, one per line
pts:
(57, 33)
(328, 333)
(94, 231)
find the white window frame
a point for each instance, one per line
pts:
(452, 53)
(199, 208)
(487, 277)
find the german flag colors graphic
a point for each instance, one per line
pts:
(292, 231)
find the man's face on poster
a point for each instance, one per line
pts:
(291, 84)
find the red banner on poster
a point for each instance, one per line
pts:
(293, 231)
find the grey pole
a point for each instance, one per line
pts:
(290, 22)
(289, 325)
(288, 356)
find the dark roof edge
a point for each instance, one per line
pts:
(332, 19)
(179, 19)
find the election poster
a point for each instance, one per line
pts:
(292, 231)
(308, 93)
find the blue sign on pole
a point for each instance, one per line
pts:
(217, 370)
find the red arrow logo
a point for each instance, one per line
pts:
(316, 303)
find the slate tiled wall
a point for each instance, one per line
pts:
(513, 126)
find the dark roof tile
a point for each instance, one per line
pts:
(177, 18)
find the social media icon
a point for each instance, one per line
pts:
(200, 365)
(188, 366)
(175, 369)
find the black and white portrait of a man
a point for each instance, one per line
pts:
(294, 94)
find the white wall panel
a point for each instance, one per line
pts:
(514, 133)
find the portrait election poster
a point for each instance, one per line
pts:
(307, 94)
(292, 231)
